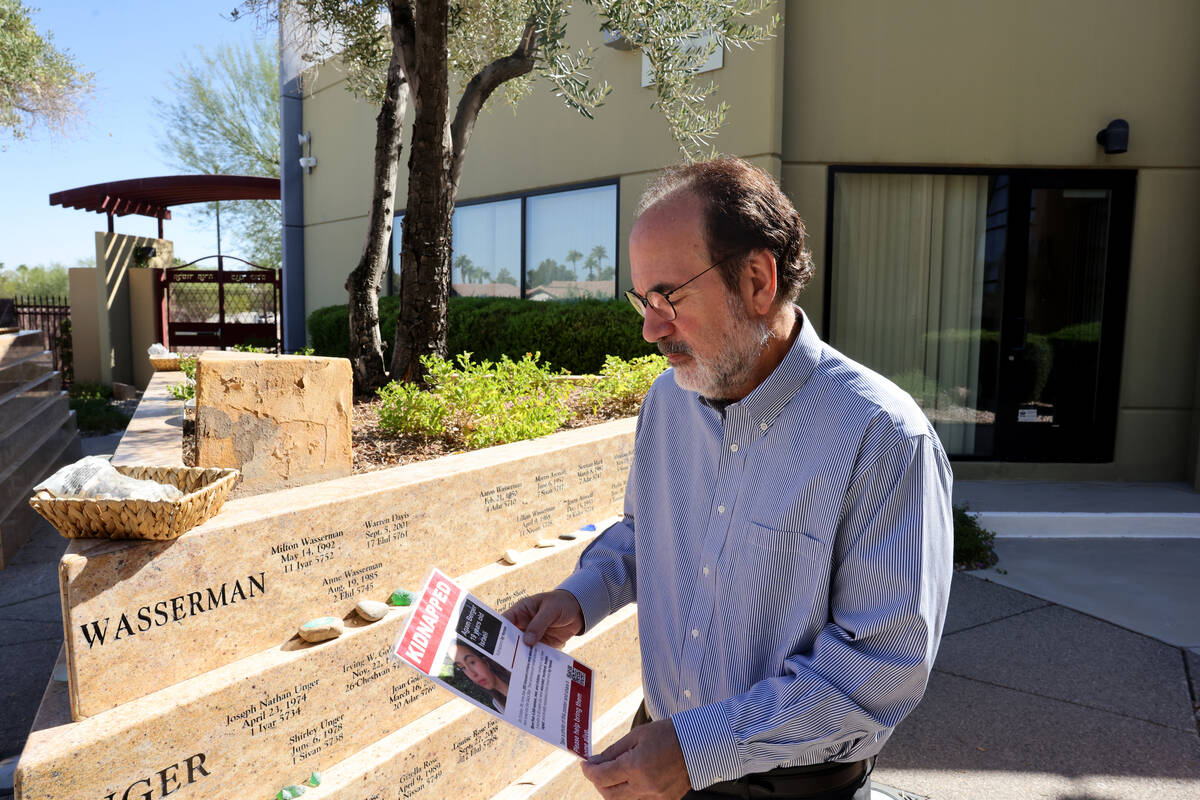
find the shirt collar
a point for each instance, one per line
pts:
(769, 398)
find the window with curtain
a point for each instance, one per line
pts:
(914, 291)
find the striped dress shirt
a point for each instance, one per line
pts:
(790, 555)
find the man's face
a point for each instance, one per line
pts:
(713, 343)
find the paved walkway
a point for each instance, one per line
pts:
(1074, 675)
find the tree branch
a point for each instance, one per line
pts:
(479, 89)
(404, 38)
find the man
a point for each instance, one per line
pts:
(787, 530)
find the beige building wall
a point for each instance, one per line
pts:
(85, 324)
(1026, 84)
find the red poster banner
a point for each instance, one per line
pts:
(579, 722)
(429, 620)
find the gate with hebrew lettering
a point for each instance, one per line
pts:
(207, 309)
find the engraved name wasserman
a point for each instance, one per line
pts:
(173, 609)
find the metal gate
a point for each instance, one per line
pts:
(209, 309)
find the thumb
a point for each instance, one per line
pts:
(537, 626)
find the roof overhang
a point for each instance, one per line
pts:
(153, 197)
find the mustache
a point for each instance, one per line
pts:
(667, 348)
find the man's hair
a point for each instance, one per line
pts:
(744, 210)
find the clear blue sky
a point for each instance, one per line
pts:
(130, 46)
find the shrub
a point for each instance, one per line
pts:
(478, 403)
(187, 389)
(94, 411)
(575, 335)
(974, 545)
(622, 384)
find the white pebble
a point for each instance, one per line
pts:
(546, 542)
(371, 610)
(511, 556)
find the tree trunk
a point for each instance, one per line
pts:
(364, 282)
(435, 164)
(425, 254)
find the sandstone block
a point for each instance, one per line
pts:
(273, 718)
(281, 420)
(240, 582)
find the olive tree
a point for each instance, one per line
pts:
(397, 50)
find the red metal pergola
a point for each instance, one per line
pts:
(153, 197)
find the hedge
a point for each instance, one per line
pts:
(574, 335)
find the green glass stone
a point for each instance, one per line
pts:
(401, 597)
(289, 793)
(314, 779)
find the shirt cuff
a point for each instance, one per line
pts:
(710, 750)
(589, 590)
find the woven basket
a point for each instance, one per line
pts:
(165, 363)
(204, 493)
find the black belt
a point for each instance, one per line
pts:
(811, 779)
(806, 781)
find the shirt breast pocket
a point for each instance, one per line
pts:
(784, 566)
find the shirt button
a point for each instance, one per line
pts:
(763, 426)
(706, 570)
(695, 633)
(733, 448)
(687, 693)
(720, 509)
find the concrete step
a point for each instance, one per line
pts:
(14, 346)
(18, 439)
(1080, 524)
(21, 371)
(16, 401)
(59, 446)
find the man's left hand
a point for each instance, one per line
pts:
(646, 764)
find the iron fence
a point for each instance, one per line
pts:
(50, 315)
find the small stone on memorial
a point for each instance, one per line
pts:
(372, 610)
(588, 527)
(570, 537)
(401, 597)
(314, 779)
(321, 629)
(546, 543)
(510, 556)
(290, 792)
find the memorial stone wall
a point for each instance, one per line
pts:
(185, 677)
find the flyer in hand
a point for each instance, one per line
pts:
(476, 653)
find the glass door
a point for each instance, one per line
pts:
(1064, 316)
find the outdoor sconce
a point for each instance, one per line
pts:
(144, 253)
(306, 161)
(1115, 137)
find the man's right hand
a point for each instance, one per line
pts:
(550, 617)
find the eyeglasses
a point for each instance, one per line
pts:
(660, 302)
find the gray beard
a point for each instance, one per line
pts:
(719, 376)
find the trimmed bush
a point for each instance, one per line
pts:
(575, 335)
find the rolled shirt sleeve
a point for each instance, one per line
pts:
(869, 665)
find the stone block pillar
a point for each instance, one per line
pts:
(281, 420)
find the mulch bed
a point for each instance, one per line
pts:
(375, 448)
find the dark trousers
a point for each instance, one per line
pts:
(834, 781)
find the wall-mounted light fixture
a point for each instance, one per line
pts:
(307, 160)
(1114, 138)
(144, 253)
